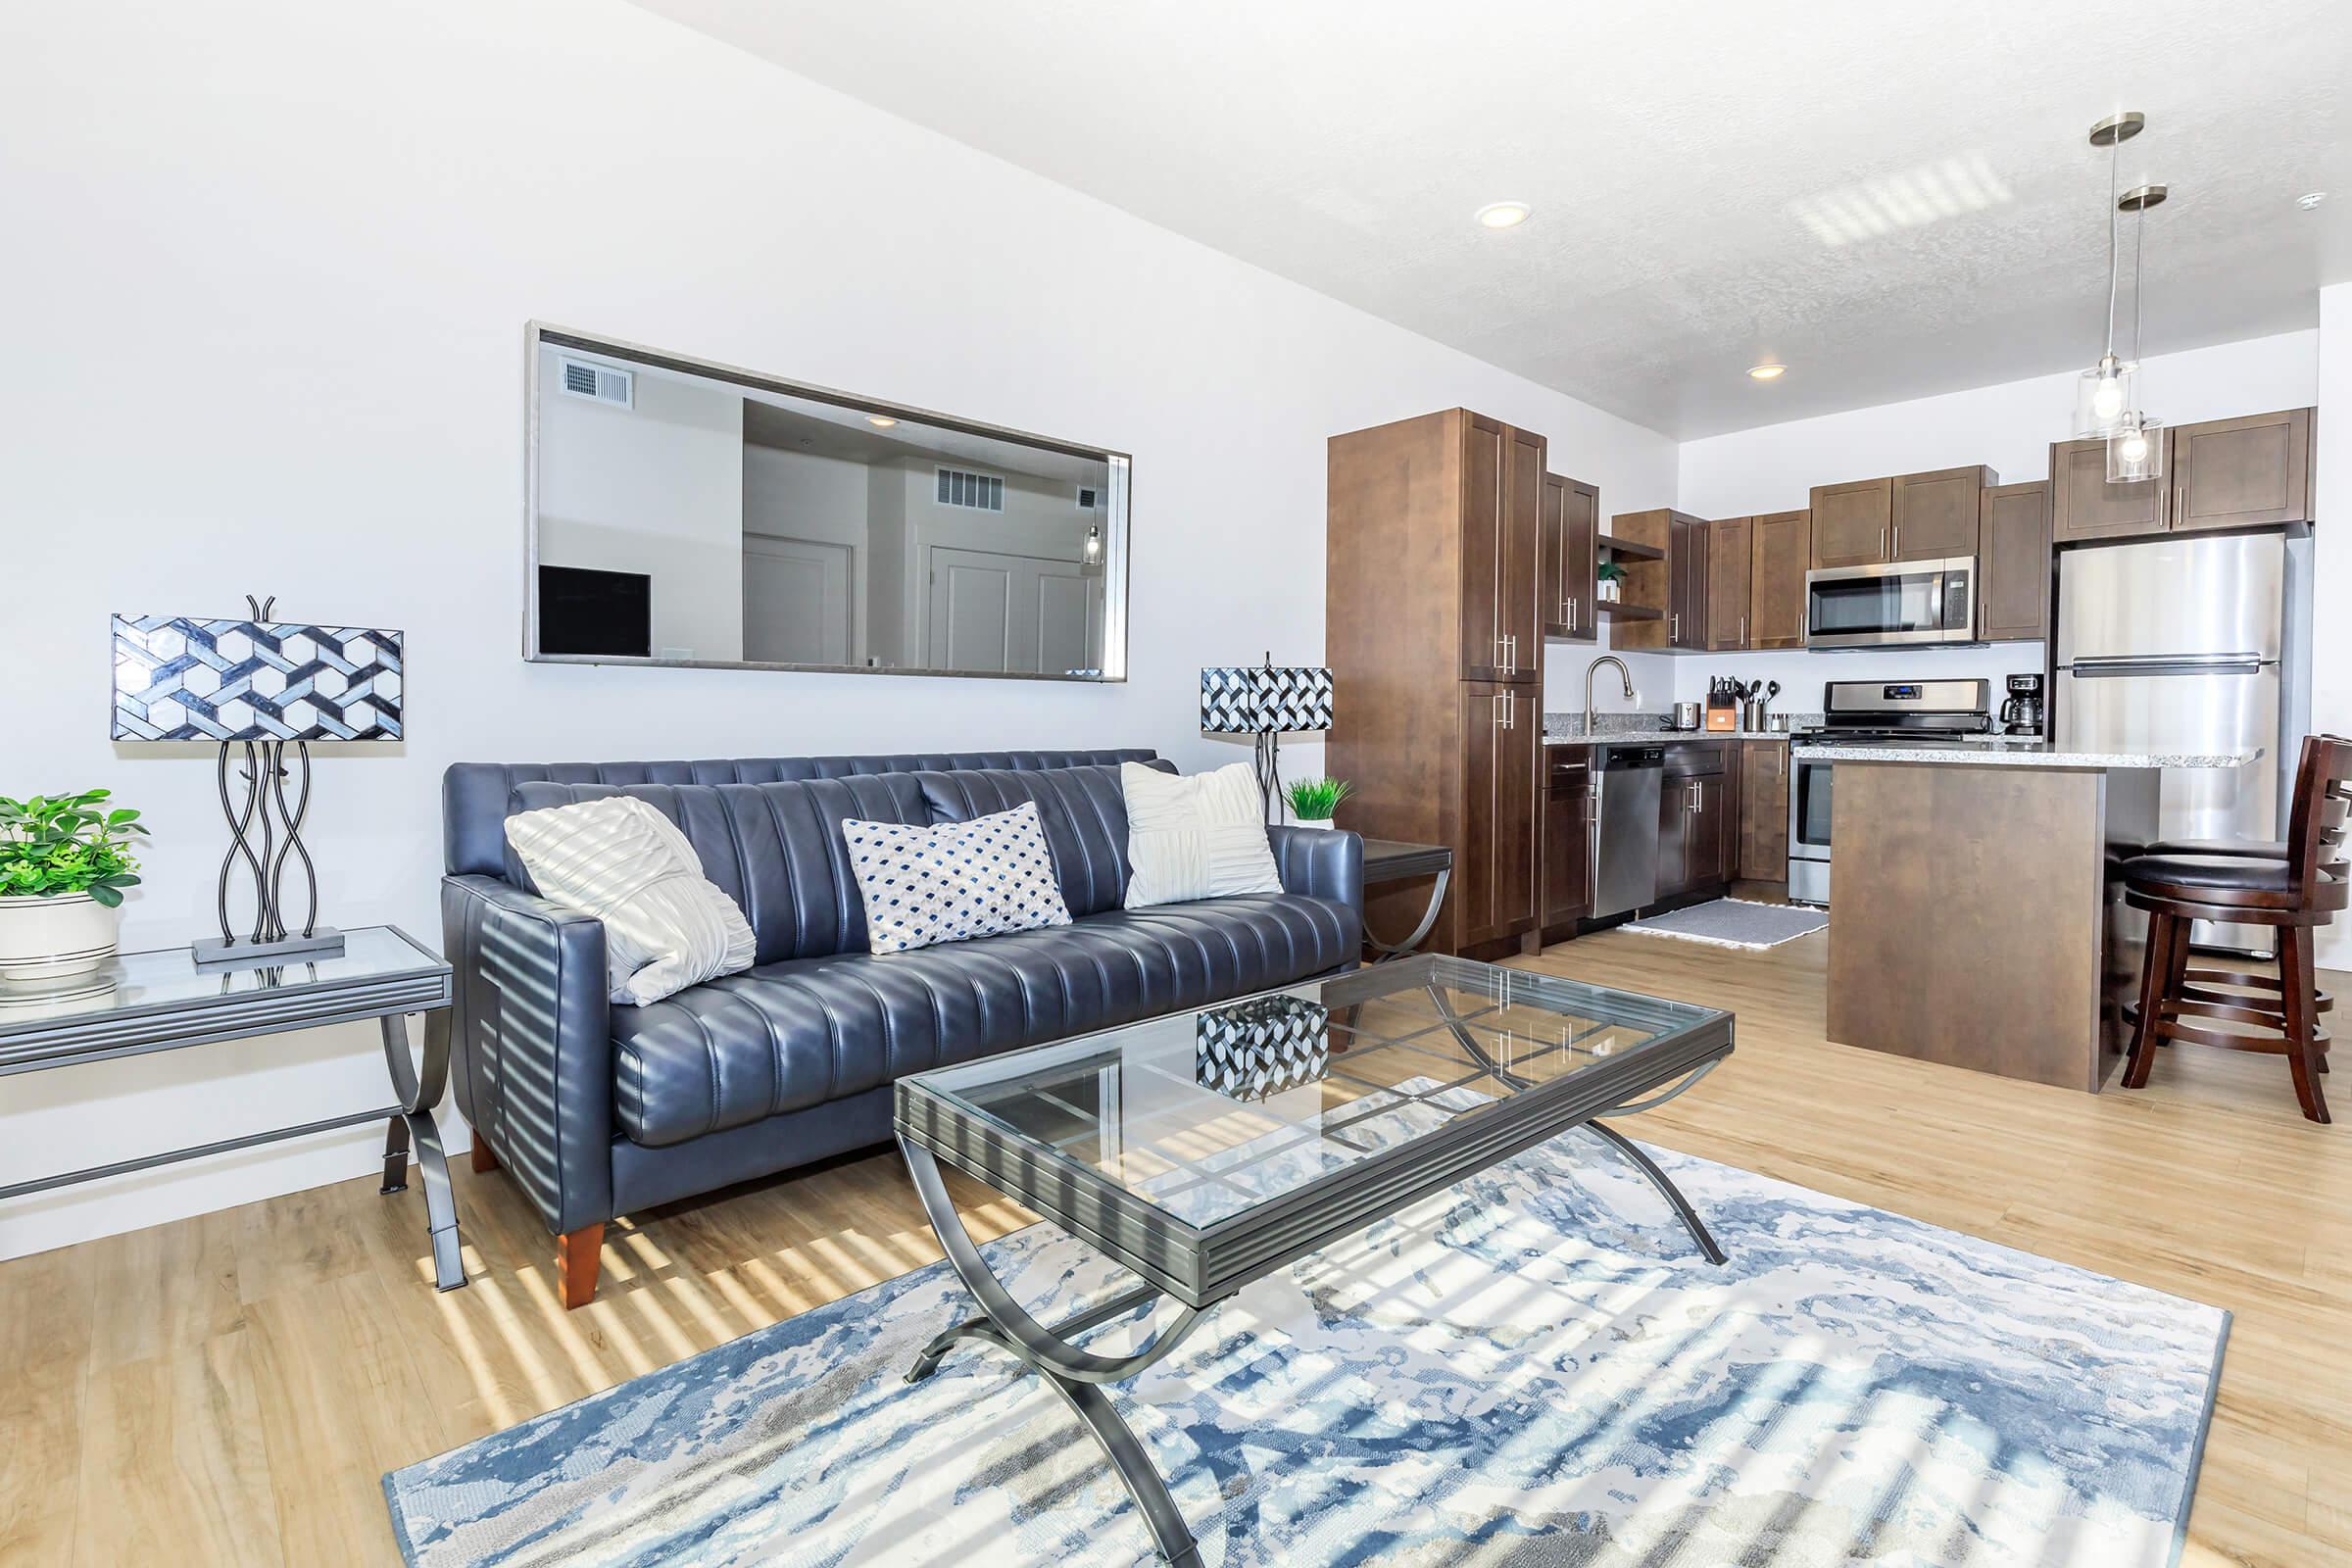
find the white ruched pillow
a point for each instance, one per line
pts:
(1200, 837)
(666, 926)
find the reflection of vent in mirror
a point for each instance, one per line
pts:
(979, 491)
(598, 384)
(1089, 498)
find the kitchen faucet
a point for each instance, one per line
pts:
(1623, 674)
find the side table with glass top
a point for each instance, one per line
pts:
(1206, 1150)
(159, 1001)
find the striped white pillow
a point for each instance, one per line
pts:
(666, 926)
(1202, 837)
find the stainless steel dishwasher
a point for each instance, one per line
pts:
(1625, 781)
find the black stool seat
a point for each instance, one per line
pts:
(2250, 849)
(2236, 874)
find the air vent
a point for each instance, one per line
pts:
(979, 492)
(1089, 498)
(600, 383)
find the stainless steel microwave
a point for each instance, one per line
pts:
(1899, 602)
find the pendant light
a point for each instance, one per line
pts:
(2103, 394)
(2135, 452)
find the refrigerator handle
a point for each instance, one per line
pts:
(2166, 665)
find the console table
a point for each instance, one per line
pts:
(1390, 861)
(159, 1001)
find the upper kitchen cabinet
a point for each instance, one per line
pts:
(1664, 603)
(1781, 545)
(1851, 522)
(2243, 473)
(1503, 502)
(1567, 559)
(2013, 597)
(1934, 516)
(2247, 472)
(1731, 568)
(2085, 506)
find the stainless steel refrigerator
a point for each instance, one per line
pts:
(2175, 645)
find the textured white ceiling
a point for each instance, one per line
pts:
(1895, 199)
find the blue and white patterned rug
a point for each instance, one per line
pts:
(1536, 1367)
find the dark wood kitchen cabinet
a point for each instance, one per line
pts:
(1567, 559)
(2246, 472)
(1503, 502)
(1764, 811)
(2084, 505)
(1431, 570)
(1697, 833)
(1851, 522)
(1731, 568)
(2013, 594)
(1781, 549)
(1935, 516)
(1495, 886)
(1675, 583)
(1567, 835)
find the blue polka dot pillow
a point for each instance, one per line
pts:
(950, 883)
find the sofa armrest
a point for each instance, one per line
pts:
(531, 1042)
(1321, 863)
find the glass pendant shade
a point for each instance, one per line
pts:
(2106, 396)
(2135, 452)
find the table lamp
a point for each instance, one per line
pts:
(260, 685)
(1267, 700)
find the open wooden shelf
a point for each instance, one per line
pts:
(1619, 610)
(1627, 549)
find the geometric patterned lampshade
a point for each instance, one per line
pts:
(181, 679)
(1254, 1050)
(1265, 699)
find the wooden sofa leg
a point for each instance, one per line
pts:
(483, 1159)
(577, 1256)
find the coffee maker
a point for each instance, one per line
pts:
(2021, 715)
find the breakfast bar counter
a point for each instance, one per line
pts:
(1977, 918)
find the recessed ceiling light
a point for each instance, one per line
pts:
(880, 422)
(1767, 373)
(1503, 215)
(2310, 199)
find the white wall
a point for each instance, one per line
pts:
(2331, 557)
(1772, 469)
(654, 489)
(342, 274)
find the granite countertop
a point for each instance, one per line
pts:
(2024, 753)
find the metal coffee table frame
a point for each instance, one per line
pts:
(1198, 1267)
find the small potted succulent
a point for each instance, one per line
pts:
(64, 863)
(1314, 801)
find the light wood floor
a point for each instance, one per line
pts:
(229, 1388)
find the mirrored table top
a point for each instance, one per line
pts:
(1199, 1124)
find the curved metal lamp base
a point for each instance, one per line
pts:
(1076, 1375)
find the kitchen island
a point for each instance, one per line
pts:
(1977, 917)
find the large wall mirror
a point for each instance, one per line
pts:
(684, 512)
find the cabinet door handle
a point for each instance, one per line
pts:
(1898, 538)
(1743, 631)
(2179, 501)
(1882, 545)
(1674, 626)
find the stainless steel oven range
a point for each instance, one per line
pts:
(1867, 712)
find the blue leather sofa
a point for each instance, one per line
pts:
(597, 1111)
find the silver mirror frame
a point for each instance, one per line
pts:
(1119, 466)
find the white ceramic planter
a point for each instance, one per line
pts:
(45, 940)
(1324, 823)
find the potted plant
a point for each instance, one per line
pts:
(64, 863)
(1314, 801)
(1612, 576)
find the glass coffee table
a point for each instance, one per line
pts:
(1206, 1150)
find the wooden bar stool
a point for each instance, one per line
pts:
(2238, 987)
(2295, 894)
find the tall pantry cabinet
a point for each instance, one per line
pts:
(1434, 633)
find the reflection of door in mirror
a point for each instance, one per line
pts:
(775, 525)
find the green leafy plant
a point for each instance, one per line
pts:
(53, 845)
(1609, 572)
(1317, 800)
